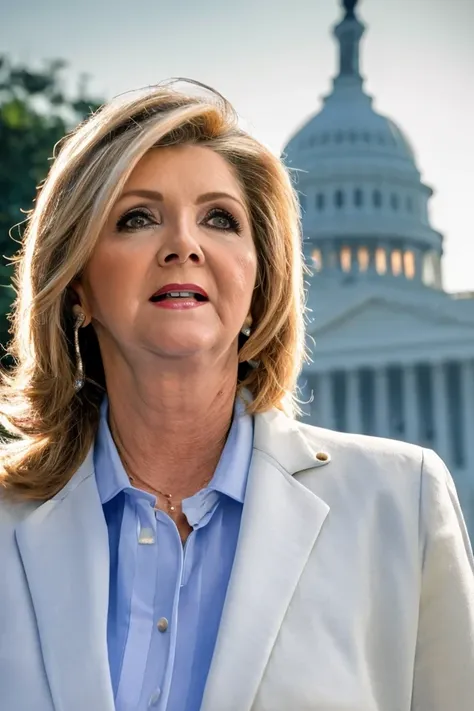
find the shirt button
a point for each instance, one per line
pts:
(162, 624)
(154, 698)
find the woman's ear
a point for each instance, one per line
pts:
(79, 299)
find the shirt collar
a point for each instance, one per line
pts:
(230, 476)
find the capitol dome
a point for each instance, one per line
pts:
(364, 205)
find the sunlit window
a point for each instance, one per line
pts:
(409, 264)
(317, 260)
(346, 259)
(397, 263)
(380, 260)
(363, 257)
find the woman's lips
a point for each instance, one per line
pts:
(178, 304)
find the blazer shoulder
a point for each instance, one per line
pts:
(358, 445)
(387, 464)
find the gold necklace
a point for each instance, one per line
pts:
(168, 497)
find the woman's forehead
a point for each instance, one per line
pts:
(198, 169)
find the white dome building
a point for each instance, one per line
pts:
(392, 353)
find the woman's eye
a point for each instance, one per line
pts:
(136, 220)
(223, 220)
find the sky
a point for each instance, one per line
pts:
(274, 60)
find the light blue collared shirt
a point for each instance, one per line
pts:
(154, 580)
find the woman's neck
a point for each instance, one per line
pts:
(169, 436)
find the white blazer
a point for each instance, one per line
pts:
(352, 587)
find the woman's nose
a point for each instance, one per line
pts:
(179, 247)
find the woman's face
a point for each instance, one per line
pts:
(174, 268)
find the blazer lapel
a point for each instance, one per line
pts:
(65, 553)
(281, 521)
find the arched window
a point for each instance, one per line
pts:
(409, 266)
(339, 198)
(377, 198)
(358, 197)
(431, 269)
(346, 259)
(380, 260)
(366, 136)
(397, 263)
(320, 201)
(394, 201)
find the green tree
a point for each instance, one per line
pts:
(35, 113)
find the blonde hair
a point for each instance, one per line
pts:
(50, 426)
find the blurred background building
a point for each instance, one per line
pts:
(392, 352)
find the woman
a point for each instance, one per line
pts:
(170, 537)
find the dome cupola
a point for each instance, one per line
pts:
(364, 206)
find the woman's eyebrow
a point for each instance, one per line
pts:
(158, 197)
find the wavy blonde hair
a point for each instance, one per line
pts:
(50, 426)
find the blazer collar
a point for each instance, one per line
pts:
(281, 522)
(64, 548)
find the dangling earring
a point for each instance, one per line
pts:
(246, 329)
(80, 317)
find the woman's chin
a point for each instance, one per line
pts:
(186, 346)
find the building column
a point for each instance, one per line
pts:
(410, 404)
(353, 419)
(326, 254)
(382, 409)
(418, 263)
(354, 258)
(325, 405)
(440, 410)
(466, 492)
(372, 249)
(467, 388)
